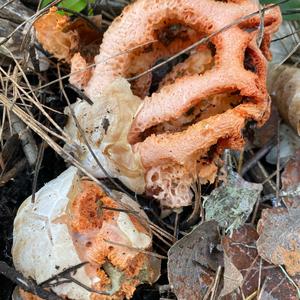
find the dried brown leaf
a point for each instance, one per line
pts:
(233, 278)
(241, 250)
(193, 260)
(279, 241)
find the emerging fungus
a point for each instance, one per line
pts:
(204, 103)
(72, 221)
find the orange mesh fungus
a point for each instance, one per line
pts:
(204, 103)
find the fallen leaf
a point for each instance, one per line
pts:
(193, 260)
(233, 278)
(232, 203)
(279, 238)
(290, 179)
(240, 248)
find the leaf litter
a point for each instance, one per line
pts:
(193, 261)
(279, 240)
(261, 280)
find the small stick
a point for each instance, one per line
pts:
(136, 249)
(278, 165)
(6, 3)
(80, 93)
(26, 284)
(257, 156)
(241, 161)
(216, 282)
(37, 169)
(194, 217)
(28, 143)
(176, 231)
(67, 277)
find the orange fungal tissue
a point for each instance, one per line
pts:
(176, 133)
(72, 221)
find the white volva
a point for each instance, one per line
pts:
(42, 245)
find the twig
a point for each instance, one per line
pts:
(241, 161)
(66, 276)
(6, 3)
(194, 217)
(255, 211)
(26, 284)
(28, 143)
(216, 282)
(290, 280)
(259, 276)
(37, 169)
(257, 156)
(286, 36)
(176, 231)
(80, 93)
(136, 249)
(261, 25)
(278, 165)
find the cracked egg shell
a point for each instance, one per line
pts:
(67, 224)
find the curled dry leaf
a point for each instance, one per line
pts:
(284, 88)
(279, 238)
(199, 109)
(232, 203)
(241, 250)
(71, 222)
(290, 179)
(193, 260)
